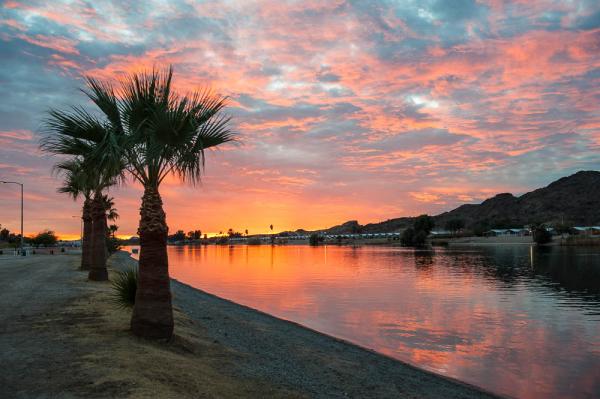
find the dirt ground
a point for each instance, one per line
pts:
(61, 336)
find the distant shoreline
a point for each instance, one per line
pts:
(432, 242)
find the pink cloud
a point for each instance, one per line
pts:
(59, 44)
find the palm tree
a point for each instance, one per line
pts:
(75, 186)
(79, 135)
(113, 229)
(98, 270)
(111, 212)
(154, 132)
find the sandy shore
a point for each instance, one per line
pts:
(61, 337)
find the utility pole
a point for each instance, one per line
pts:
(20, 184)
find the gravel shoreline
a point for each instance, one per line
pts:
(303, 360)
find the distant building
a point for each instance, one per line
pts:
(441, 232)
(587, 230)
(507, 232)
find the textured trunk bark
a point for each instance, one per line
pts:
(86, 245)
(152, 313)
(105, 221)
(98, 270)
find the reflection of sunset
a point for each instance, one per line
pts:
(445, 311)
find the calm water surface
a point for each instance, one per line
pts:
(512, 319)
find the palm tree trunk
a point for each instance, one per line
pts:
(105, 222)
(98, 270)
(86, 244)
(152, 313)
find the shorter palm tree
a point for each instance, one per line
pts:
(98, 270)
(79, 135)
(75, 185)
(111, 212)
(113, 229)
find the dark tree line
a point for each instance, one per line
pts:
(46, 238)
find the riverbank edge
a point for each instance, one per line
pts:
(282, 323)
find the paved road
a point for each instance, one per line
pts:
(24, 281)
(33, 293)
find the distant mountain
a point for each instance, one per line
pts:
(572, 200)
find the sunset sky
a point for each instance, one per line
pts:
(362, 110)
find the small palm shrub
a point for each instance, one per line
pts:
(125, 286)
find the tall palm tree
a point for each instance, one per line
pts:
(155, 133)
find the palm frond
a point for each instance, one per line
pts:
(146, 128)
(71, 132)
(75, 180)
(103, 95)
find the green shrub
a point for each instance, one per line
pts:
(407, 238)
(315, 239)
(424, 223)
(420, 238)
(455, 225)
(254, 241)
(125, 286)
(541, 235)
(46, 238)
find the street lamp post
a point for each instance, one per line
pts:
(20, 184)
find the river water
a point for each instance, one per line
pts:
(512, 319)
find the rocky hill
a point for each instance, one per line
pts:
(572, 200)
